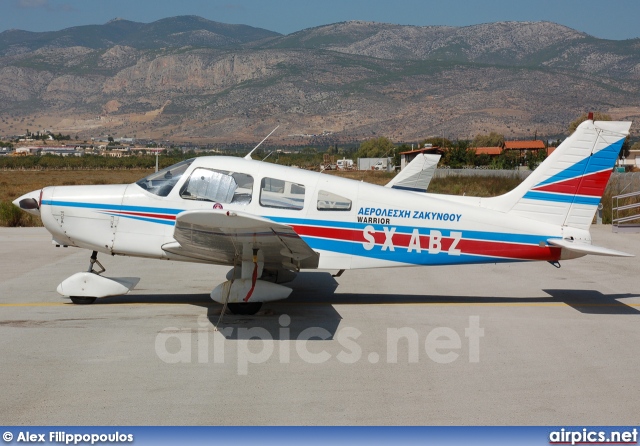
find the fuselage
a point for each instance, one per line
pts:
(351, 224)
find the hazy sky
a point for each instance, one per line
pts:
(609, 19)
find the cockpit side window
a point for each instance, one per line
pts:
(328, 201)
(219, 186)
(281, 194)
(161, 183)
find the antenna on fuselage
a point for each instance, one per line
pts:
(248, 157)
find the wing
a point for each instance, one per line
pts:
(219, 237)
(417, 175)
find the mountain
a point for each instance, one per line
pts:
(187, 78)
(505, 42)
(170, 32)
(519, 44)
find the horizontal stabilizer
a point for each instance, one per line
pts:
(586, 248)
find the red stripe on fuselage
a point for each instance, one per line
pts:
(508, 250)
(334, 233)
(491, 248)
(144, 214)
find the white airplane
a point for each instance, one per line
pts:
(270, 221)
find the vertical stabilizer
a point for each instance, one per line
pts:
(566, 188)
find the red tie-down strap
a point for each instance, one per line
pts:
(254, 278)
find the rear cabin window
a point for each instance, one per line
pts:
(281, 194)
(219, 186)
(328, 201)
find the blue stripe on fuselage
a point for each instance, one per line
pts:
(467, 234)
(400, 253)
(473, 235)
(112, 207)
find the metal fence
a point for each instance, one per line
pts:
(625, 210)
(625, 201)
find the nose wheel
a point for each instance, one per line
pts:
(85, 287)
(87, 300)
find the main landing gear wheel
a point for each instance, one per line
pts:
(81, 300)
(249, 308)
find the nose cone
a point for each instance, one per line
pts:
(29, 202)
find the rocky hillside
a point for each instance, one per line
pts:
(186, 78)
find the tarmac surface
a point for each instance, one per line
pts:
(490, 344)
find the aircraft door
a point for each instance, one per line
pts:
(334, 207)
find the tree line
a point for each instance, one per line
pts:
(462, 153)
(457, 154)
(87, 162)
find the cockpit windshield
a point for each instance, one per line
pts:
(162, 182)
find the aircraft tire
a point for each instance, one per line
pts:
(249, 308)
(82, 300)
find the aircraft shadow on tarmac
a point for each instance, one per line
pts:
(594, 302)
(312, 303)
